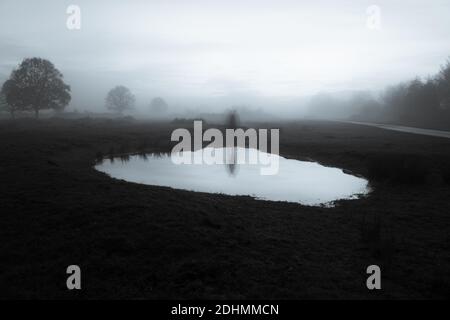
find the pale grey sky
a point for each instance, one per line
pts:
(208, 49)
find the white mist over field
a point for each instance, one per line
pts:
(209, 55)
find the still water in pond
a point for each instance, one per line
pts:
(303, 182)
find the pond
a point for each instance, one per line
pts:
(304, 182)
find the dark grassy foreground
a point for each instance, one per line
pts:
(135, 241)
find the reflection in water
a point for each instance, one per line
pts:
(231, 162)
(124, 158)
(143, 156)
(297, 181)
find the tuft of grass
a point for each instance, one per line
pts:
(398, 169)
(142, 146)
(111, 153)
(98, 156)
(445, 174)
(376, 236)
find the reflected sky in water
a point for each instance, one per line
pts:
(308, 183)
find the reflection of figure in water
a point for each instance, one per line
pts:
(231, 153)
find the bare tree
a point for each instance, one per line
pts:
(120, 99)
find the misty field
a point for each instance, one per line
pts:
(137, 241)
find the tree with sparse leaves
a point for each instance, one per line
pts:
(158, 105)
(120, 99)
(36, 85)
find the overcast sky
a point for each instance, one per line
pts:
(206, 49)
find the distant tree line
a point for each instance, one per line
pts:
(422, 103)
(419, 102)
(120, 99)
(36, 84)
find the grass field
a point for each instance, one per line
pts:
(136, 241)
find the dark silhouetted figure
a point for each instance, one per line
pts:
(232, 123)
